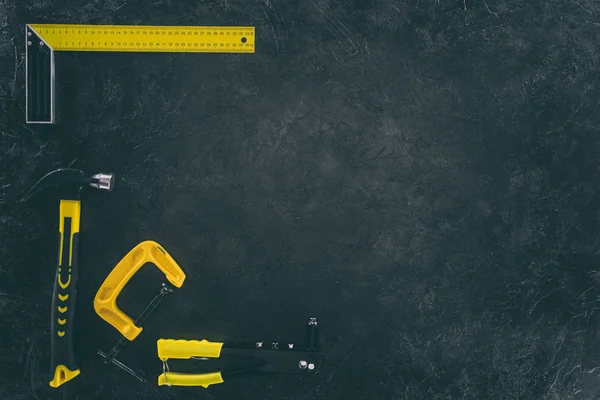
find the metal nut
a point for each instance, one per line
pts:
(303, 364)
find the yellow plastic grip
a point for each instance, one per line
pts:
(105, 302)
(185, 349)
(63, 374)
(68, 209)
(63, 363)
(179, 379)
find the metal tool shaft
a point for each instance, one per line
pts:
(146, 312)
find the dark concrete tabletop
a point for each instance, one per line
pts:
(421, 176)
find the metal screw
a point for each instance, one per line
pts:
(259, 345)
(275, 346)
(164, 290)
(41, 44)
(29, 43)
(311, 366)
(312, 321)
(290, 346)
(28, 33)
(303, 364)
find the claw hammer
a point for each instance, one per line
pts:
(71, 183)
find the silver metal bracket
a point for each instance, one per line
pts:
(39, 79)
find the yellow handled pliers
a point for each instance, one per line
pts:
(261, 357)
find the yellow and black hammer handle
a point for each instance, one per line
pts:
(64, 367)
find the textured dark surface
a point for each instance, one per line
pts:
(422, 176)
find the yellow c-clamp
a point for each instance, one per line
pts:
(105, 302)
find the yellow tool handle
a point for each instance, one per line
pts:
(179, 379)
(143, 38)
(63, 364)
(185, 349)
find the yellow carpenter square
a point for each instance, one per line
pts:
(137, 38)
(43, 40)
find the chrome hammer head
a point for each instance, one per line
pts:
(102, 181)
(71, 182)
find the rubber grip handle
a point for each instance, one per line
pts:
(179, 379)
(185, 349)
(63, 364)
